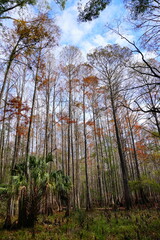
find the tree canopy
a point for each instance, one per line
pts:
(93, 8)
(6, 5)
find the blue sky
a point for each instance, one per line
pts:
(87, 35)
(84, 35)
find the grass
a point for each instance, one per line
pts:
(94, 225)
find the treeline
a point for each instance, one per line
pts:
(75, 133)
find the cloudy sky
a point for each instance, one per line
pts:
(87, 35)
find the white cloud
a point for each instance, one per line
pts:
(99, 40)
(92, 34)
(112, 37)
(86, 47)
(26, 12)
(87, 35)
(147, 55)
(72, 31)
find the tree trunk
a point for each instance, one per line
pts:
(127, 197)
(88, 198)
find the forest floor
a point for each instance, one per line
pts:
(95, 225)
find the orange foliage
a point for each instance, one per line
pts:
(16, 104)
(32, 31)
(22, 130)
(137, 127)
(91, 80)
(91, 145)
(89, 95)
(15, 107)
(89, 136)
(78, 104)
(99, 131)
(90, 123)
(141, 150)
(43, 84)
(71, 121)
(67, 119)
(64, 118)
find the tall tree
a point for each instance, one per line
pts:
(109, 62)
(70, 59)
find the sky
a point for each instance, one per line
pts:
(86, 35)
(89, 35)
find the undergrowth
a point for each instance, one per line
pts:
(94, 225)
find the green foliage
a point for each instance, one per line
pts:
(135, 185)
(155, 134)
(62, 182)
(3, 189)
(139, 7)
(92, 9)
(37, 169)
(144, 225)
(6, 5)
(11, 189)
(39, 180)
(81, 217)
(62, 3)
(19, 169)
(144, 183)
(49, 158)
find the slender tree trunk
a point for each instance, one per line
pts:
(141, 192)
(18, 136)
(69, 142)
(2, 139)
(88, 198)
(47, 115)
(11, 58)
(31, 118)
(127, 197)
(77, 171)
(73, 164)
(62, 138)
(154, 113)
(98, 161)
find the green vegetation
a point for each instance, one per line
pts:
(99, 225)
